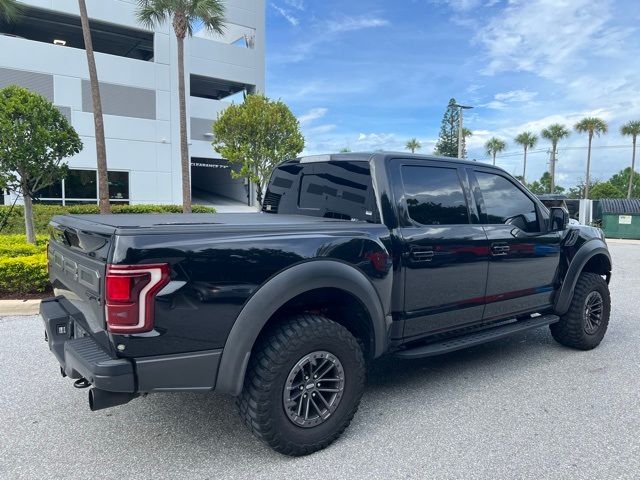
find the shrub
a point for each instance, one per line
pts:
(16, 246)
(42, 214)
(20, 275)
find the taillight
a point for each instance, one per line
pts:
(130, 296)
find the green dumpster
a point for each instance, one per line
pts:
(620, 217)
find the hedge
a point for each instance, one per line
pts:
(42, 214)
(19, 275)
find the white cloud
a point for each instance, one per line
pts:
(545, 37)
(348, 24)
(311, 115)
(297, 4)
(292, 19)
(502, 100)
(516, 96)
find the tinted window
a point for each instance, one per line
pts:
(118, 185)
(325, 189)
(434, 195)
(81, 184)
(506, 203)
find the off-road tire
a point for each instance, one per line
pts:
(261, 401)
(572, 330)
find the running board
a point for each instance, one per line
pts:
(477, 338)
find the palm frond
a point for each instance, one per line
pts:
(494, 145)
(555, 133)
(154, 12)
(592, 125)
(10, 11)
(527, 139)
(208, 13)
(631, 129)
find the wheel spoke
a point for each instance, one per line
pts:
(325, 371)
(330, 390)
(319, 367)
(306, 409)
(324, 400)
(315, 405)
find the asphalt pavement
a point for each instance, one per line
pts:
(523, 407)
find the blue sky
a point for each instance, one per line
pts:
(370, 74)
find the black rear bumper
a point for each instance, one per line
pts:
(84, 357)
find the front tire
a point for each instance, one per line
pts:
(585, 323)
(303, 386)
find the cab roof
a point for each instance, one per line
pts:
(383, 156)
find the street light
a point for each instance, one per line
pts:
(460, 137)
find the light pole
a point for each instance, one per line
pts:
(460, 133)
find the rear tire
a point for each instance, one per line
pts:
(282, 404)
(586, 321)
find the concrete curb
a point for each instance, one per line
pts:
(19, 307)
(628, 241)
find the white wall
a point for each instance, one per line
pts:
(148, 149)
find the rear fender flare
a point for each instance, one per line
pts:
(283, 287)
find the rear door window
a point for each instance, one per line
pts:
(434, 195)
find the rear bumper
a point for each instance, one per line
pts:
(85, 358)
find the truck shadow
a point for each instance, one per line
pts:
(210, 422)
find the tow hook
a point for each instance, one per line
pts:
(82, 383)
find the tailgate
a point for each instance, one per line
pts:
(77, 262)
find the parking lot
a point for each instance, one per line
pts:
(524, 407)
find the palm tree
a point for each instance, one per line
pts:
(631, 129)
(184, 14)
(98, 121)
(590, 125)
(554, 133)
(527, 140)
(9, 10)
(494, 146)
(413, 145)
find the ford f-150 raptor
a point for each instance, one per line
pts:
(353, 256)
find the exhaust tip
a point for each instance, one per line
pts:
(101, 399)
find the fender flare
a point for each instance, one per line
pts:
(584, 254)
(277, 291)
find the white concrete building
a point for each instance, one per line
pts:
(137, 69)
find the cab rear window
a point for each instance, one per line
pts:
(325, 189)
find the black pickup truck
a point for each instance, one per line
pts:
(353, 256)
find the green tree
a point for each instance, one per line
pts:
(543, 185)
(413, 145)
(466, 133)
(447, 144)
(591, 126)
(606, 190)
(632, 129)
(98, 120)
(527, 140)
(621, 180)
(345, 150)
(34, 139)
(184, 14)
(554, 133)
(9, 10)
(494, 146)
(257, 134)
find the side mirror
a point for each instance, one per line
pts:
(558, 219)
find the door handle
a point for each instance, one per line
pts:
(499, 249)
(421, 254)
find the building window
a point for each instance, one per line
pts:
(81, 187)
